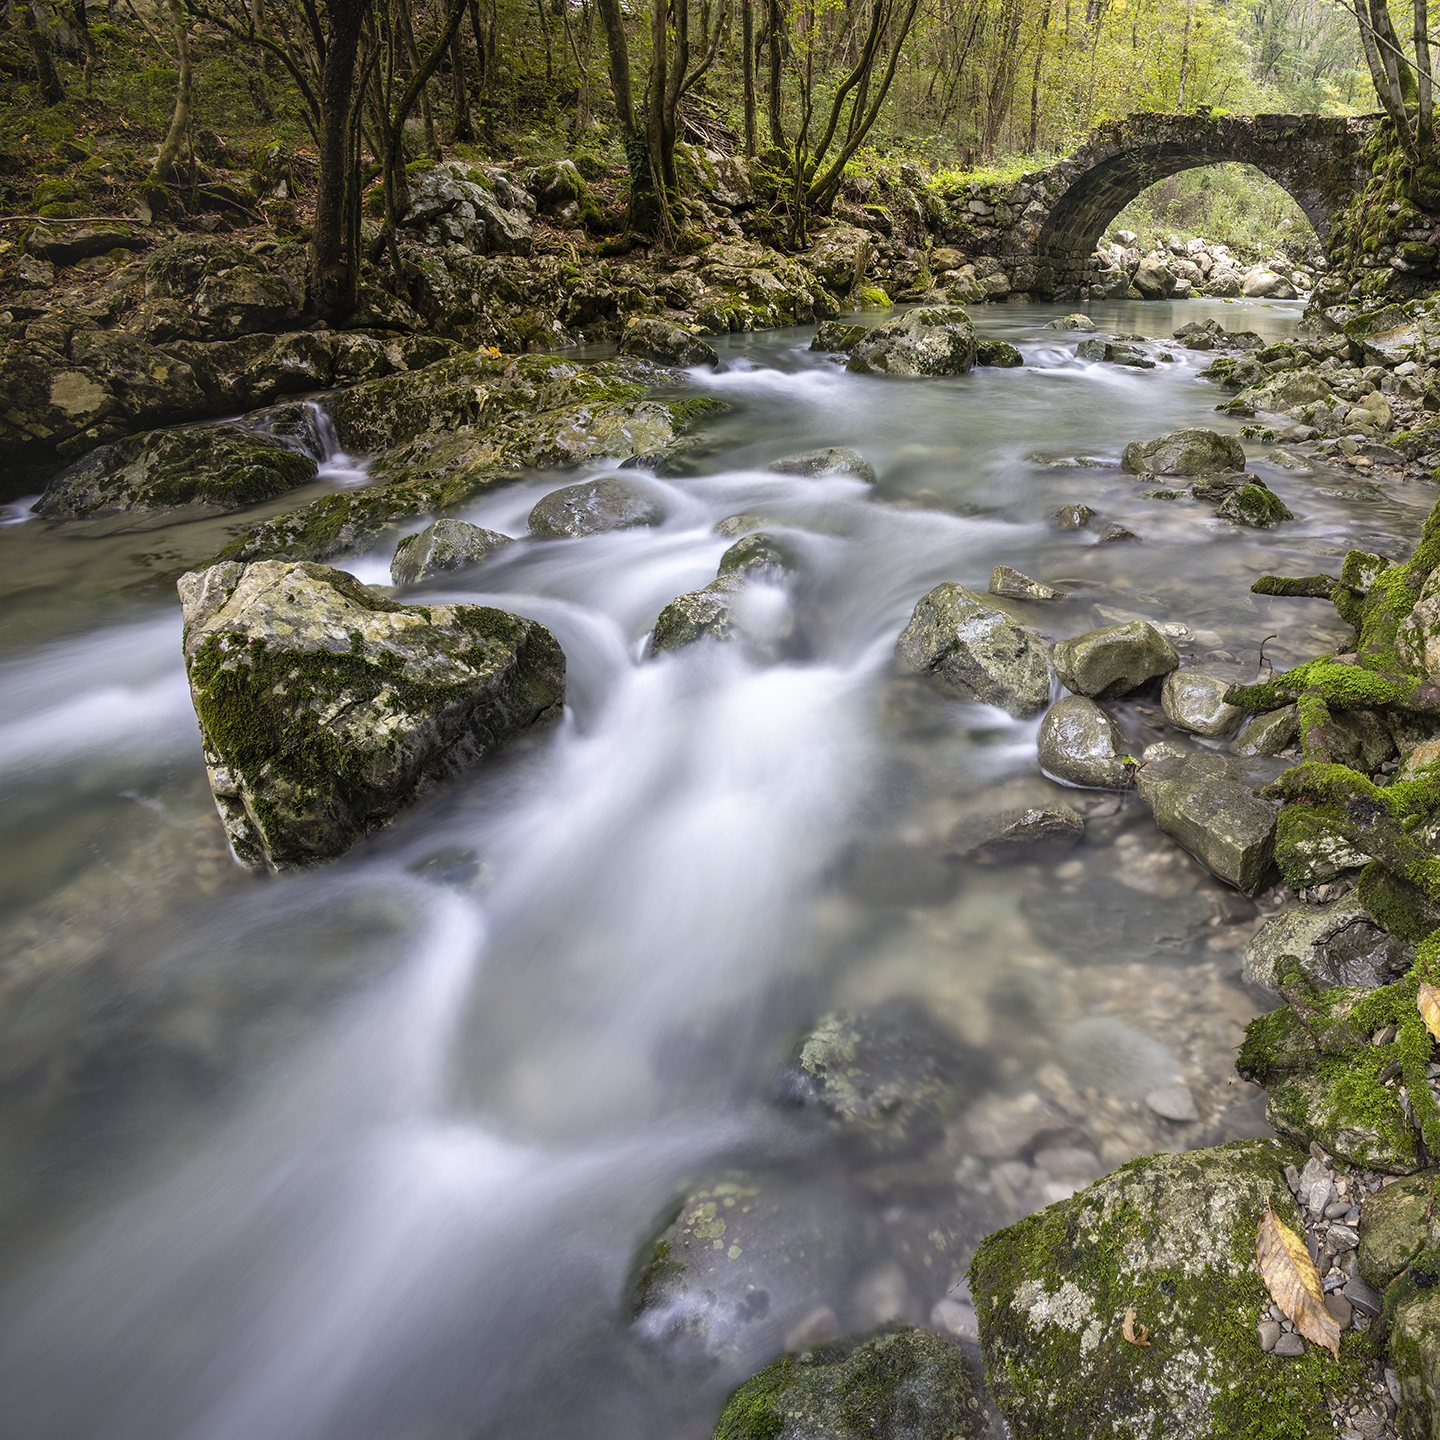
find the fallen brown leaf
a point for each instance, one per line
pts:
(1294, 1283)
(1428, 999)
(1128, 1329)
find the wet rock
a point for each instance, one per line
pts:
(1019, 833)
(1267, 734)
(594, 506)
(697, 614)
(998, 354)
(838, 337)
(1071, 322)
(1113, 660)
(439, 548)
(1080, 744)
(1396, 1226)
(207, 469)
(888, 1078)
(1015, 586)
(1101, 1052)
(1192, 451)
(923, 342)
(734, 525)
(1074, 517)
(1209, 804)
(1195, 701)
(1254, 505)
(758, 554)
(1170, 1239)
(325, 709)
(1414, 1355)
(1115, 532)
(1173, 1102)
(654, 339)
(1102, 921)
(1335, 944)
(828, 460)
(1115, 352)
(1418, 638)
(974, 651)
(915, 1387)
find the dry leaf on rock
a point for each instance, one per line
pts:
(1294, 1283)
(1127, 1329)
(1428, 999)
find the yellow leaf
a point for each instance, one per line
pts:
(1294, 1283)
(1428, 999)
(1128, 1329)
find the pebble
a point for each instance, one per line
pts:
(1336, 1209)
(1363, 1297)
(1173, 1102)
(1269, 1333)
(1342, 1237)
(1340, 1309)
(1290, 1346)
(1392, 1384)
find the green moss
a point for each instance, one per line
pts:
(751, 1412)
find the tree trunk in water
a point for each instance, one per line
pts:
(51, 90)
(747, 46)
(334, 261)
(164, 165)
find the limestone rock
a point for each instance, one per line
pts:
(1267, 734)
(923, 342)
(1153, 278)
(1254, 505)
(1074, 517)
(654, 339)
(974, 651)
(1418, 639)
(915, 1387)
(446, 545)
(1396, 1225)
(1115, 352)
(593, 506)
(1195, 701)
(998, 354)
(1171, 1238)
(209, 469)
(691, 617)
(757, 554)
(1113, 660)
(838, 337)
(1081, 745)
(828, 460)
(1334, 944)
(65, 248)
(325, 709)
(1019, 833)
(1015, 586)
(1192, 451)
(1071, 322)
(1209, 804)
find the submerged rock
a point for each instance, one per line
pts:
(923, 342)
(898, 1383)
(1335, 944)
(1113, 660)
(208, 469)
(1014, 586)
(593, 506)
(1019, 833)
(1168, 1242)
(756, 554)
(1210, 804)
(828, 460)
(1074, 517)
(325, 708)
(1081, 745)
(974, 651)
(1192, 451)
(1254, 505)
(446, 545)
(998, 354)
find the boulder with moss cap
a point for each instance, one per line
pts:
(923, 342)
(1192, 451)
(1113, 660)
(325, 708)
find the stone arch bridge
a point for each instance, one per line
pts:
(1053, 219)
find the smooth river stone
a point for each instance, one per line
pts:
(1113, 660)
(1081, 745)
(1195, 701)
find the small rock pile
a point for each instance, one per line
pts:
(1182, 268)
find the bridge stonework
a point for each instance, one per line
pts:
(1057, 216)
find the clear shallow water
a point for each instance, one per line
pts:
(368, 1152)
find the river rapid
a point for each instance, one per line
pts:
(368, 1152)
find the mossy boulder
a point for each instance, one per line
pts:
(1334, 944)
(593, 506)
(325, 709)
(998, 354)
(441, 547)
(1192, 451)
(972, 650)
(838, 337)
(896, 1383)
(655, 339)
(204, 469)
(758, 554)
(923, 342)
(1398, 1225)
(1256, 506)
(1113, 660)
(698, 614)
(1168, 1241)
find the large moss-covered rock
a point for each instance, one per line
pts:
(1113, 660)
(1414, 1355)
(975, 651)
(897, 1383)
(1169, 1241)
(208, 469)
(699, 613)
(1397, 1225)
(1192, 451)
(1211, 805)
(444, 546)
(655, 339)
(1418, 636)
(1081, 745)
(922, 342)
(593, 506)
(1254, 505)
(1334, 944)
(326, 708)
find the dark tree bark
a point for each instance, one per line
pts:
(52, 91)
(747, 47)
(777, 96)
(335, 263)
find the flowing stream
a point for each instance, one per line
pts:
(368, 1152)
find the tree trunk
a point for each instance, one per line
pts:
(618, 50)
(412, 54)
(747, 46)
(164, 165)
(81, 21)
(777, 98)
(1035, 80)
(462, 127)
(334, 259)
(1425, 101)
(1185, 55)
(52, 92)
